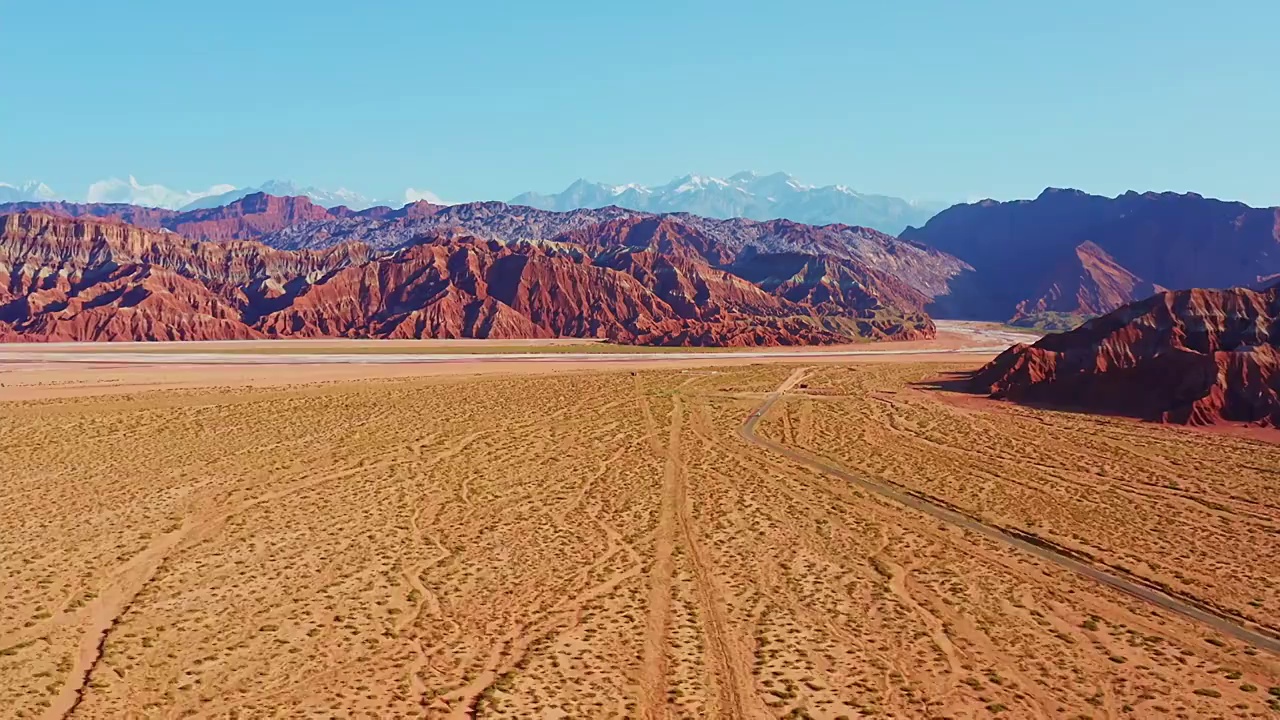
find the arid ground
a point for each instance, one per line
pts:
(601, 541)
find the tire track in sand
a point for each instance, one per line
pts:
(1136, 587)
(127, 581)
(897, 580)
(653, 668)
(731, 665)
(506, 654)
(105, 612)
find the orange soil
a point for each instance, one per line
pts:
(585, 542)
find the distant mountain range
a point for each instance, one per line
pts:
(298, 223)
(115, 190)
(747, 195)
(121, 272)
(1067, 255)
(32, 191)
(1050, 262)
(744, 195)
(132, 192)
(286, 188)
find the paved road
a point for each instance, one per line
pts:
(1187, 607)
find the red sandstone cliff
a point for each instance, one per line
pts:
(88, 279)
(1089, 282)
(1192, 356)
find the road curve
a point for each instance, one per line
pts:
(1187, 607)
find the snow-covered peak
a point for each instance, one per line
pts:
(115, 190)
(280, 188)
(30, 191)
(349, 197)
(288, 188)
(744, 194)
(133, 192)
(694, 183)
(633, 187)
(778, 183)
(327, 198)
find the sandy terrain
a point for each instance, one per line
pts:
(51, 370)
(952, 335)
(597, 543)
(1192, 511)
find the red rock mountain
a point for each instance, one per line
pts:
(1068, 255)
(1090, 283)
(1049, 262)
(644, 279)
(1192, 356)
(246, 218)
(296, 223)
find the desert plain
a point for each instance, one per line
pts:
(582, 540)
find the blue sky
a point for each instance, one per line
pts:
(930, 100)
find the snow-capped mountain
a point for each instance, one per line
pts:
(115, 190)
(30, 191)
(287, 188)
(746, 194)
(132, 192)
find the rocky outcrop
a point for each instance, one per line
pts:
(65, 279)
(924, 270)
(638, 280)
(882, 281)
(1076, 255)
(1088, 283)
(1192, 356)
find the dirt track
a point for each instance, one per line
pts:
(1191, 608)
(596, 543)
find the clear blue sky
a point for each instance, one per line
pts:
(935, 100)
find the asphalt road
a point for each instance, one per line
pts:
(1189, 608)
